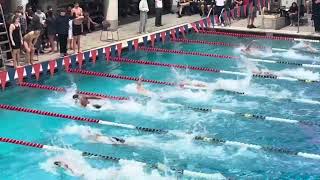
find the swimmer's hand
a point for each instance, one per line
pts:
(97, 106)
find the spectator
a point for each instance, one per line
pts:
(144, 9)
(293, 14)
(41, 15)
(218, 9)
(158, 6)
(252, 13)
(29, 15)
(23, 20)
(183, 4)
(77, 28)
(70, 33)
(16, 39)
(88, 22)
(316, 15)
(309, 6)
(51, 29)
(62, 27)
(31, 38)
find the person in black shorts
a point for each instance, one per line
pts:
(252, 13)
(15, 39)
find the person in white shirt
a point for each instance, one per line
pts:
(218, 8)
(41, 15)
(158, 6)
(144, 9)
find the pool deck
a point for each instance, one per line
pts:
(130, 31)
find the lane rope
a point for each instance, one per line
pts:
(78, 118)
(59, 89)
(158, 131)
(170, 51)
(256, 116)
(158, 166)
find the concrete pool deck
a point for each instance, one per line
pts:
(130, 31)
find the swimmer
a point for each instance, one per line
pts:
(63, 165)
(141, 90)
(84, 100)
(97, 137)
(248, 50)
(192, 85)
(308, 47)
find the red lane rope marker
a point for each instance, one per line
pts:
(23, 143)
(246, 35)
(58, 89)
(187, 53)
(78, 118)
(144, 62)
(192, 41)
(115, 76)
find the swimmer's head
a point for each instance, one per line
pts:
(139, 82)
(57, 163)
(75, 97)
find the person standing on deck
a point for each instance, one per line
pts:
(77, 26)
(62, 24)
(15, 35)
(158, 6)
(144, 9)
(316, 15)
(252, 13)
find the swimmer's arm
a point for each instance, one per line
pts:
(94, 97)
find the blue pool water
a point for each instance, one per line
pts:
(264, 96)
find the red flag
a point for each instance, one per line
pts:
(209, 21)
(194, 27)
(52, 65)
(67, 63)
(119, 49)
(239, 12)
(232, 13)
(80, 59)
(94, 56)
(201, 24)
(136, 44)
(20, 71)
(36, 68)
(3, 79)
(163, 36)
(152, 37)
(173, 33)
(107, 49)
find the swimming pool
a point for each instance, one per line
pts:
(183, 112)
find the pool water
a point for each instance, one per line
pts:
(264, 96)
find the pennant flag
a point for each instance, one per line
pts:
(197, 25)
(94, 55)
(86, 57)
(173, 33)
(52, 65)
(194, 27)
(168, 35)
(100, 54)
(59, 64)
(216, 19)
(66, 63)
(44, 66)
(225, 16)
(129, 45)
(208, 22)
(186, 28)
(201, 24)
(158, 38)
(182, 31)
(73, 61)
(152, 36)
(163, 37)
(145, 41)
(177, 32)
(232, 13)
(238, 12)
(205, 23)
(80, 59)
(245, 10)
(107, 50)
(136, 44)
(113, 51)
(20, 71)
(3, 79)
(11, 73)
(36, 68)
(212, 21)
(28, 71)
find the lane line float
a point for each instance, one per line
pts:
(170, 51)
(159, 131)
(158, 166)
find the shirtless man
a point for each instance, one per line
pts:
(308, 47)
(31, 38)
(84, 100)
(97, 137)
(141, 90)
(77, 26)
(187, 84)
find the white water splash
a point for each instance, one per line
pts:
(299, 73)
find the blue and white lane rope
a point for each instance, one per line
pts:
(256, 116)
(284, 62)
(257, 147)
(159, 166)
